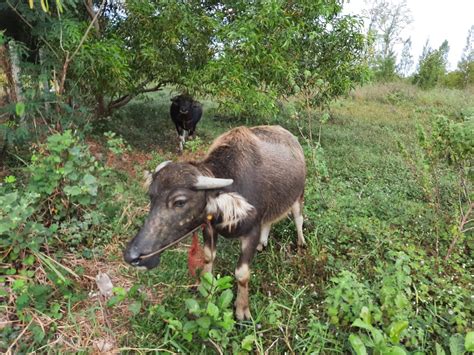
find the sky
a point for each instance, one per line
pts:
(435, 20)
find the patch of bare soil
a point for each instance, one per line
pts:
(127, 162)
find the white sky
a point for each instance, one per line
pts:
(435, 20)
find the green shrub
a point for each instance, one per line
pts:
(207, 318)
(346, 298)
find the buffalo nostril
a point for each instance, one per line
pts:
(132, 256)
(135, 262)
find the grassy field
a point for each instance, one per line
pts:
(378, 221)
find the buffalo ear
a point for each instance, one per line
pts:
(230, 206)
(148, 179)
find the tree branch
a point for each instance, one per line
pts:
(70, 58)
(125, 99)
(88, 29)
(90, 10)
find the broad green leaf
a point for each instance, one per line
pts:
(357, 344)
(72, 190)
(439, 349)
(365, 315)
(188, 329)
(247, 342)
(396, 350)
(175, 324)
(192, 305)
(225, 299)
(469, 342)
(359, 323)
(202, 290)
(212, 310)
(456, 344)
(224, 282)
(204, 322)
(396, 329)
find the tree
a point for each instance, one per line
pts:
(406, 59)
(246, 54)
(466, 64)
(432, 65)
(387, 21)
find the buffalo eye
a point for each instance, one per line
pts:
(179, 203)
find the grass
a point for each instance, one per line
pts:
(367, 215)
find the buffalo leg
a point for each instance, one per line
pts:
(242, 273)
(210, 240)
(297, 210)
(264, 232)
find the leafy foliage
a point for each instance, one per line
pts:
(432, 66)
(209, 317)
(237, 51)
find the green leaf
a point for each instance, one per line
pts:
(20, 109)
(224, 283)
(439, 349)
(212, 310)
(72, 190)
(396, 329)
(396, 350)
(204, 322)
(365, 315)
(247, 342)
(175, 324)
(359, 323)
(357, 344)
(135, 307)
(203, 291)
(192, 305)
(188, 329)
(207, 279)
(10, 179)
(225, 299)
(469, 342)
(456, 344)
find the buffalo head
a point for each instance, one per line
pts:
(178, 199)
(184, 102)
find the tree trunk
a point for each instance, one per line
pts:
(9, 87)
(15, 70)
(102, 110)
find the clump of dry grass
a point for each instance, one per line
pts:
(400, 93)
(383, 92)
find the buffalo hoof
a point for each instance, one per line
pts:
(242, 313)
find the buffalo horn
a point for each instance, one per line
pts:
(162, 165)
(207, 183)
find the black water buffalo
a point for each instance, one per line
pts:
(250, 179)
(185, 113)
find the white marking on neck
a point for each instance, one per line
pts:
(231, 206)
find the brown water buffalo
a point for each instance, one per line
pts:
(250, 179)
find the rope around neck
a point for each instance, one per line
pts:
(207, 223)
